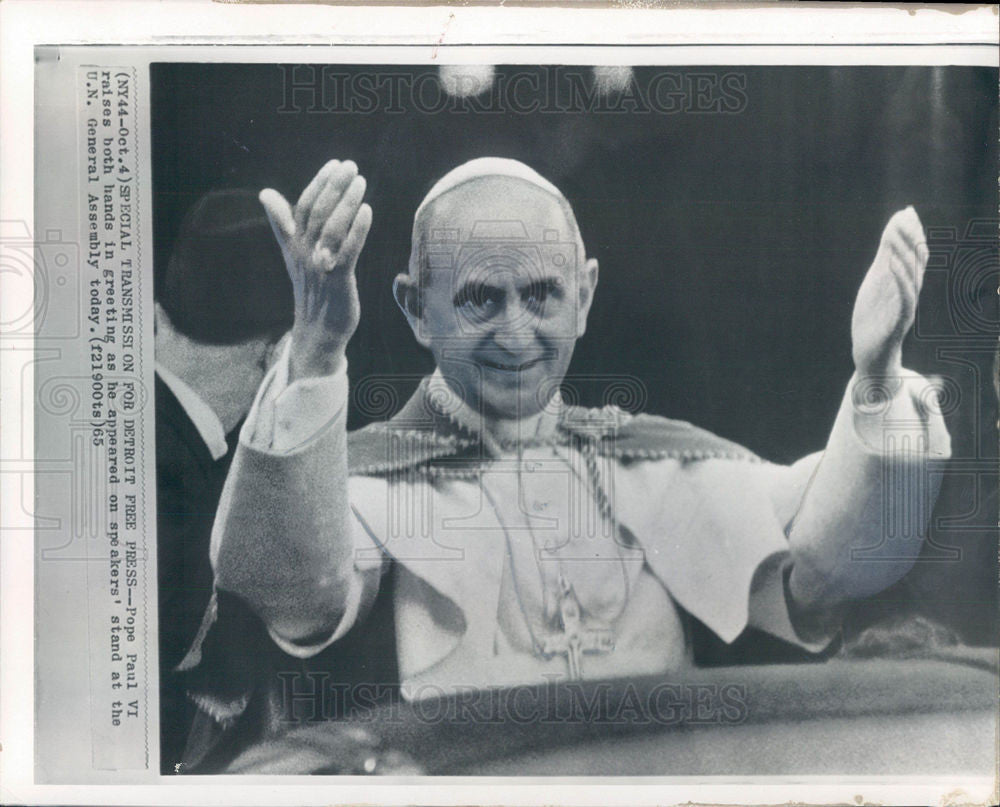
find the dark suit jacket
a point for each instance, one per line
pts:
(188, 485)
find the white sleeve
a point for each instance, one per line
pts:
(865, 511)
(285, 417)
(361, 593)
(294, 442)
(856, 513)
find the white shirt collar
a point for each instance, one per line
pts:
(536, 427)
(202, 415)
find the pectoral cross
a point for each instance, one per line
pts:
(575, 640)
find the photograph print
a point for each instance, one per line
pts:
(575, 419)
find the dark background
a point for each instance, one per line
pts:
(731, 245)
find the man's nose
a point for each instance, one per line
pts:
(515, 327)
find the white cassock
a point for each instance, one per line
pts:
(577, 549)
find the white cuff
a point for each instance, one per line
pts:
(285, 417)
(770, 609)
(894, 414)
(352, 608)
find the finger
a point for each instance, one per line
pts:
(916, 240)
(900, 222)
(279, 214)
(915, 219)
(908, 288)
(905, 226)
(304, 206)
(909, 230)
(339, 223)
(355, 240)
(902, 262)
(904, 237)
(338, 182)
(345, 257)
(909, 260)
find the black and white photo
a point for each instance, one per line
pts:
(597, 407)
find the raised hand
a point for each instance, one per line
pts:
(887, 300)
(321, 239)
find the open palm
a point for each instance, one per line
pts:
(887, 300)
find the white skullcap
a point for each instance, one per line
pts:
(484, 167)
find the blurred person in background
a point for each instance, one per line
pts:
(224, 304)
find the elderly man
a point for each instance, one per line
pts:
(520, 539)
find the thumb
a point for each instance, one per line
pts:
(279, 213)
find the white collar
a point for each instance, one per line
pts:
(532, 429)
(202, 415)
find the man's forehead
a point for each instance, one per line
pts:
(451, 263)
(500, 232)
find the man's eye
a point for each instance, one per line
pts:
(481, 299)
(535, 294)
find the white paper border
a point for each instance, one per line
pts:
(832, 35)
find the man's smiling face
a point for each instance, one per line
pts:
(505, 293)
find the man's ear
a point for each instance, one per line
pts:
(406, 292)
(585, 289)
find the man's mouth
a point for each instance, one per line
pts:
(510, 367)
